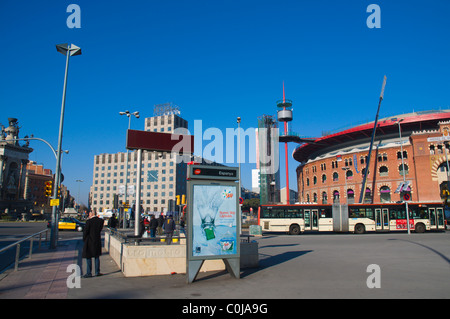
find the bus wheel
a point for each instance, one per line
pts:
(294, 230)
(420, 228)
(360, 229)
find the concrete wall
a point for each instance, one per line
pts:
(149, 260)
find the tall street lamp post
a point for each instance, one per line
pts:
(136, 114)
(68, 51)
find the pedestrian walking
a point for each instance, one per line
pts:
(160, 224)
(169, 227)
(182, 224)
(153, 225)
(92, 247)
(112, 222)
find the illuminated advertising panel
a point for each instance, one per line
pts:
(214, 220)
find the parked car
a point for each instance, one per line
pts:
(69, 223)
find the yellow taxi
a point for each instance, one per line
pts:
(69, 223)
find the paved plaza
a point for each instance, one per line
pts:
(291, 267)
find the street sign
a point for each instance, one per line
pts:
(438, 139)
(54, 202)
(406, 196)
(213, 172)
(162, 142)
(121, 190)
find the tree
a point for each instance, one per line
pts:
(253, 202)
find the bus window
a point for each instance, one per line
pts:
(292, 213)
(423, 213)
(278, 213)
(266, 212)
(413, 213)
(325, 213)
(353, 212)
(369, 213)
(362, 213)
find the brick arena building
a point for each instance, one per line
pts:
(332, 167)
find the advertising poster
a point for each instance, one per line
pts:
(214, 220)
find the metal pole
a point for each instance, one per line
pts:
(138, 193)
(54, 224)
(288, 201)
(404, 176)
(126, 179)
(239, 164)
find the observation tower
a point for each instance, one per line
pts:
(285, 115)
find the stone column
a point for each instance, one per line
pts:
(3, 160)
(23, 174)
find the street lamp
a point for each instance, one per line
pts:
(238, 120)
(68, 51)
(136, 114)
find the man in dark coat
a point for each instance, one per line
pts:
(169, 227)
(92, 247)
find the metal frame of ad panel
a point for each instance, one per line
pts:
(213, 223)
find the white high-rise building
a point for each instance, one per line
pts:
(162, 177)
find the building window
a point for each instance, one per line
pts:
(324, 178)
(403, 169)
(335, 177)
(383, 171)
(432, 149)
(399, 155)
(336, 197)
(385, 194)
(350, 196)
(324, 198)
(349, 174)
(368, 196)
(382, 157)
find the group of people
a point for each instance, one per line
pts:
(92, 244)
(159, 226)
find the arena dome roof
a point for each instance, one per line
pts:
(416, 121)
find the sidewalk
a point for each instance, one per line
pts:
(43, 276)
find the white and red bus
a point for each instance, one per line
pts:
(355, 218)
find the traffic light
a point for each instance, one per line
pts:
(445, 193)
(48, 188)
(183, 199)
(178, 199)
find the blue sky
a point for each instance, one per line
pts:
(217, 60)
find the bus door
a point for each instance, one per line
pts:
(307, 216)
(315, 219)
(436, 216)
(440, 218)
(311, 219)
(432, 218)
(381, 219)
